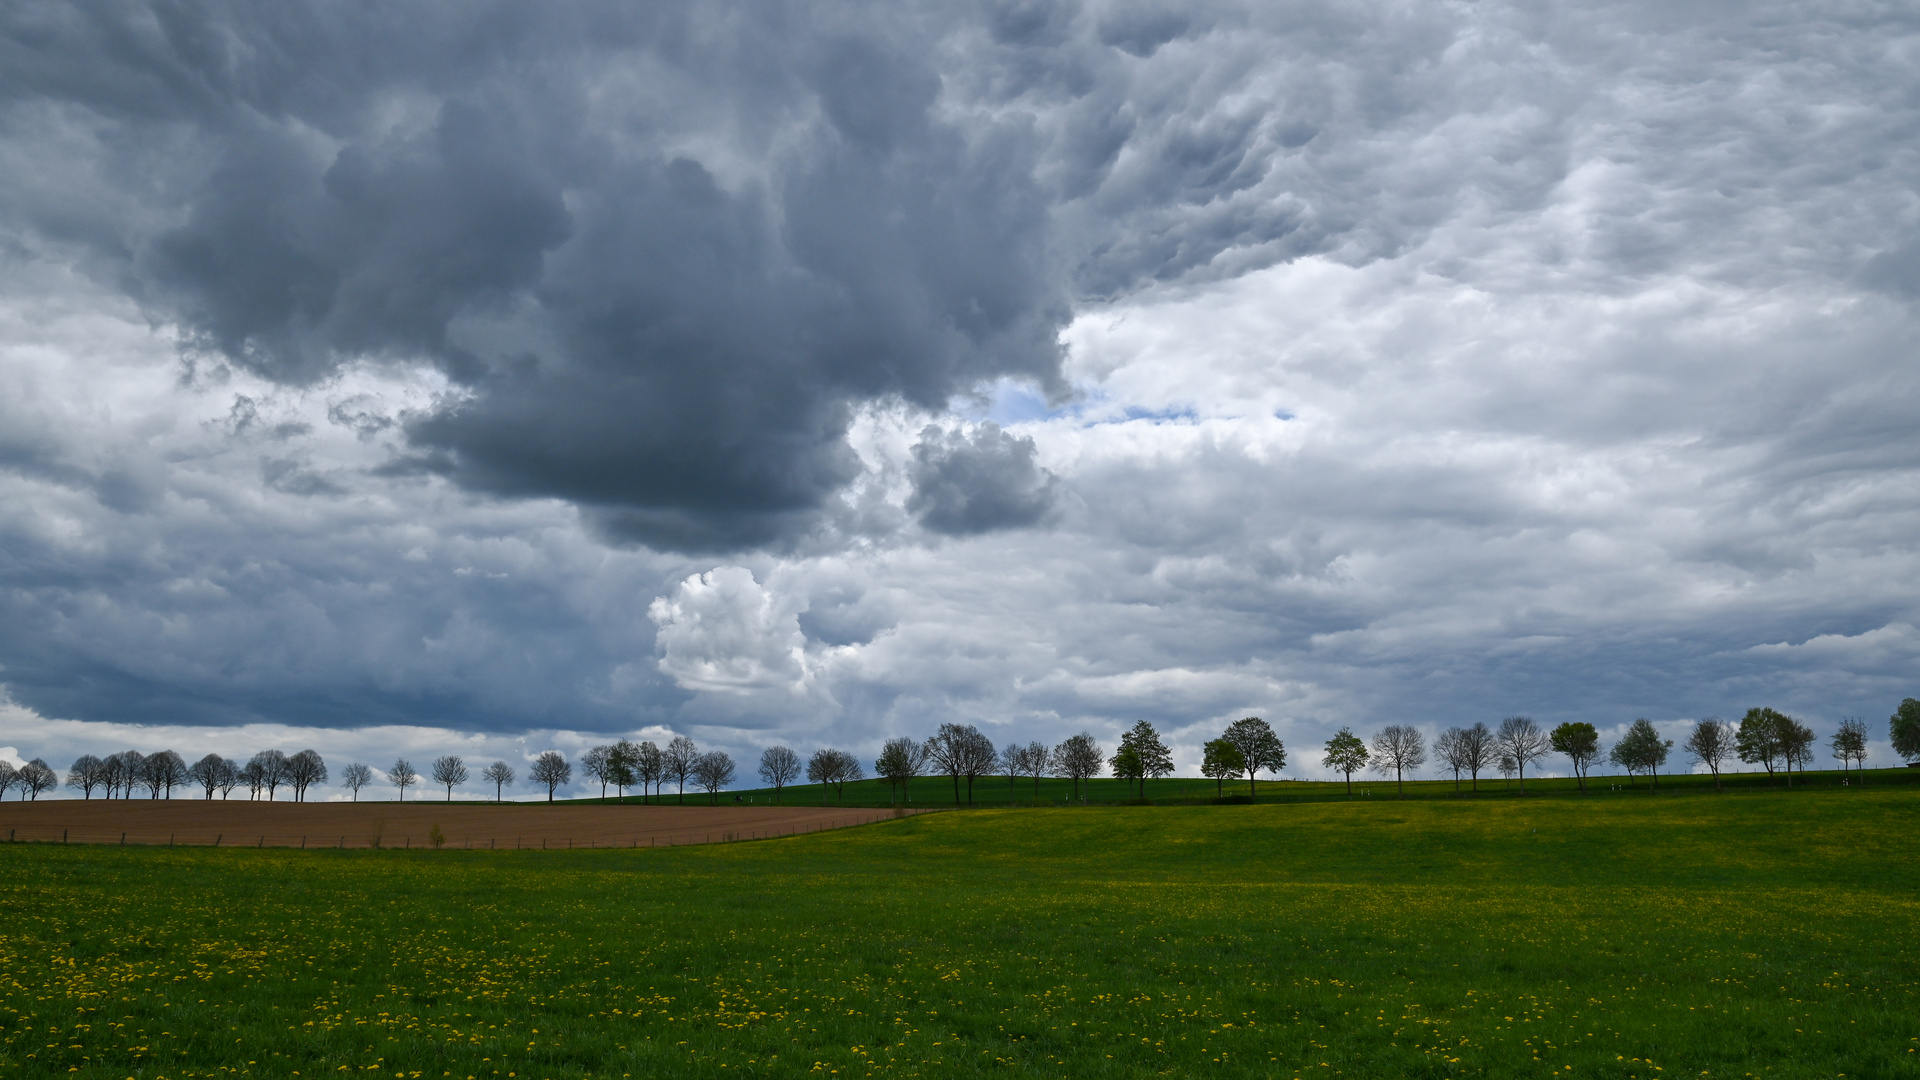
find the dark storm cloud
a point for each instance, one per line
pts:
(965, 484)
(666, 254)
(674, 343)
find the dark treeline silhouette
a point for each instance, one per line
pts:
(1773, 741)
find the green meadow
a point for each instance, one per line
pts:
(1761, 933)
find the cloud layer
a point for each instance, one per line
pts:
(825, 372)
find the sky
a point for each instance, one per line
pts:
(482, 378)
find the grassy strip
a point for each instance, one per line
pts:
(1772, 935)
(934, 791)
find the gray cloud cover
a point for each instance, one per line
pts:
(571, 368)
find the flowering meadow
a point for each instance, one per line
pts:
(1753, 934)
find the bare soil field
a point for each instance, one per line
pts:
(409, 825)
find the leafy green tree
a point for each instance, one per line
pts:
(623, 767)
(1399, 749)
(1259, 747)
(1580, 743)
(1127, 765)
(1221, 761)
(1641, 748)
(1710, 743)
(1142, 755)
(1849, 742)
(1903, 727)
(1796, 747)
(1347, 753)
(1758, 740)
(650, 769)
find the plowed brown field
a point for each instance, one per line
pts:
(408, 825)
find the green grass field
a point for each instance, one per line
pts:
(1766, 934)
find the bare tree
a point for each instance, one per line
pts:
(849, 772)
(146, 777)
(1711, 743)
(402, 776)
(500, 775)
(354, 777)
(83, 777)
(1013, 762)
(123, 771)
(713, 770)
(206, 773)
(273, 770)
(1259, 747)
(593, 766)
(229, 777)
(1079, 758)
(649, 768)
(779, 766)
(822, 768)
(304, 770)
(1850, 742)
(1581, 745)
(1029, 760)
(1347, 753)
(677, 759)
(1446, 750)
(166, 771)
(149, 775)
(449, 771)
(1038, 762)
(550, 769)
(1476, 751)
(1522, 740)
(960, 750)
(1399, 749)
(9, 776)
(36, 778)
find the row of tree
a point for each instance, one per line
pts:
(961, 752)
(1765, 737)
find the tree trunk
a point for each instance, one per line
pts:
(1399, 788)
